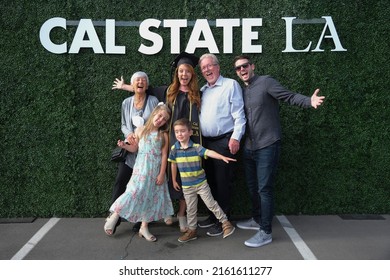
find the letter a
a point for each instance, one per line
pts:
(333, 35)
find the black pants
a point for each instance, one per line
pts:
(220, 175)
(122, 178)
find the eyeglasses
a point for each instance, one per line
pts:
(245, 65)
(208, 66)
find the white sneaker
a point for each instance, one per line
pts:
(259, 239)
(248, 224)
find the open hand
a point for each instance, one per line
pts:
(316, 100)
(118, 83)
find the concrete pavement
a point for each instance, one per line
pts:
(328, 237)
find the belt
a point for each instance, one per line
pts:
(219, 137)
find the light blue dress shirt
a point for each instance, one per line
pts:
(222, 109)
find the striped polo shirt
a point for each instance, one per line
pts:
(189, 163)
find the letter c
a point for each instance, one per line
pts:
(44, 35)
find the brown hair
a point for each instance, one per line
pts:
(241, 57)
(183, 122)
(193, 93)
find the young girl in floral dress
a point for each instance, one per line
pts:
(146, 198)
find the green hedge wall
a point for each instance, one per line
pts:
(59, 118)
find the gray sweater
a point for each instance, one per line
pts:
(261, 99)
(127, 127)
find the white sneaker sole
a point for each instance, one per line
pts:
(256, 245)
(230, 233)
(184, 241)
(246, 227)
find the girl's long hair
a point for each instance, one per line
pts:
(193, 93)
(149, 123)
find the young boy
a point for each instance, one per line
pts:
(187, 156)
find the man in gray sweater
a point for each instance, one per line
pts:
(262, 143)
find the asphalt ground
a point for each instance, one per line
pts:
(347, 237)
(295, 238)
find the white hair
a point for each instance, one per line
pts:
(138, 75)
(209, 55)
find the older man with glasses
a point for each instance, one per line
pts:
(222, 121)
(262, 143)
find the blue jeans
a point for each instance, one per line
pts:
(260, 170)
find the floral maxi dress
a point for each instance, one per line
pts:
(144, 200)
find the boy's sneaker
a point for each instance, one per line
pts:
(248, 224)
(206, 223)
(215, 230)
(259, 239)
(188, 236)
(227, 228)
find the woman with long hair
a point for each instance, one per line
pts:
(183, 97)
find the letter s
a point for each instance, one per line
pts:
(147, 34)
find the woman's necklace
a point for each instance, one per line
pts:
(139, 102)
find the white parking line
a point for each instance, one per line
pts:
(305, 251)
(23, 252)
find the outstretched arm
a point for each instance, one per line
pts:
(120, 84)
(316, 100)
(213, 154)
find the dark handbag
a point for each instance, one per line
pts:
(118, 154)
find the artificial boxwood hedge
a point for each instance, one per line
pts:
(59, 118)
